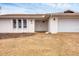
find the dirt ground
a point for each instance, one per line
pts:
(40, 44)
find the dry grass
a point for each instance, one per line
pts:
(41, 44)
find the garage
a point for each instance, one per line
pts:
(68, 25)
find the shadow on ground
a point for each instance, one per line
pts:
(14, 35)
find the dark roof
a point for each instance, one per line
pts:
(68, 11)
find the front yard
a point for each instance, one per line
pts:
(40, 44)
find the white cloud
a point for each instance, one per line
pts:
(36, 8)
(11, 9)
(62, 6)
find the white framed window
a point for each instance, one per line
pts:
(19, 23)
(14, 23)
(24, 23)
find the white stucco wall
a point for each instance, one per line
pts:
(31, 25)
(6, 26)
(41, 26)
(53, 25)
(68, 25)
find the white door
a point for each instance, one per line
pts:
(68, 25)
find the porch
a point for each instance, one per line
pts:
(41, 25)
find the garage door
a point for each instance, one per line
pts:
(68, 25)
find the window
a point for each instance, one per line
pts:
(19, 23)
(24, 23)
(14, 23)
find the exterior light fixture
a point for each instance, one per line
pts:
(31, 21)
(54, 19)
(43, 21)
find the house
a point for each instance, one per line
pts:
(67, 21)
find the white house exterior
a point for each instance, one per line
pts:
(31, 23)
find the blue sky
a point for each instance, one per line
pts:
(10, 8)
